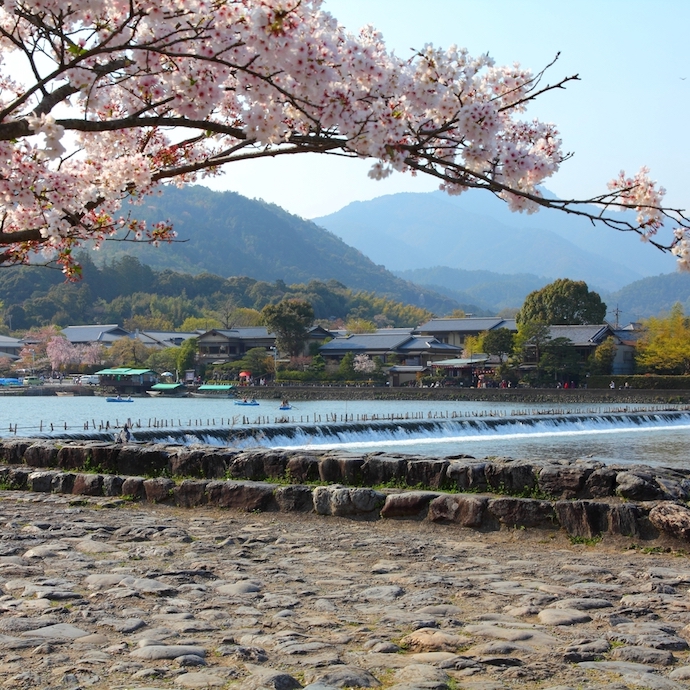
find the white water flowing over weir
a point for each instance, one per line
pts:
(649, 434)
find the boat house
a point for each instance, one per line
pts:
(126, 381)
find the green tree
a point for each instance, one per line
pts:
(601, 361)
(499, 342)
(531, 340)
(289, 320)
(665, 347)
(317, 364)
(358, 325)
(346, 368)
(163, 360)
(186, 355)
(564, 301)
(129, 352)
(199, 323)
(560, 360)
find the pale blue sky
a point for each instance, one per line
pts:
(629, 110)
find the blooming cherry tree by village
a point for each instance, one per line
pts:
(363, 364)
(121, 96)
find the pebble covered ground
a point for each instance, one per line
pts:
(106, 593)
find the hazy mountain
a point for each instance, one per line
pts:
(476, 231)
(229, 235)
(650, 296)
(488, 290)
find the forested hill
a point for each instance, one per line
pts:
(651, 296)
(227, 234)
(127, 292)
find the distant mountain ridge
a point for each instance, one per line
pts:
(477, 231)
(230, 235)
(490, 291)
(227, 234)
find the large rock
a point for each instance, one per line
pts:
(248, 496)
(247, 466)
(133, 487)
(336, 469)
(426, 472)
(149, 461)
(191, 493)
(88, 484)
(100, 456)
(275, 463)
(12, 450)
(465, 475)
(563, 481)
(41, 481)
(302, 468)
(197, 463)
(63, 482)
(159, 489)
(522, 512)
(637, 486)
(672, 518)
(407, 504)
(112, 485)
(511, 478)
(600, 483)
(294, 498)
(465, 510)
(628, 520)
(342, 500)
(74, 457)
(583, 518)
(41, 454)
(379, 469)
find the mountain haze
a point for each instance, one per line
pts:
(490, 291)
(227, 234)
(477, 231)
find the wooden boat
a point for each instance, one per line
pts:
(119, 399)
(217, 391)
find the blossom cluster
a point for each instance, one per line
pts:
(129, 95)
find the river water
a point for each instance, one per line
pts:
(632, 433)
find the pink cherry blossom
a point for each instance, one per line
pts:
(121, 97)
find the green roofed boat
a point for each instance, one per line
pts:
(215, 390)
(168, 390)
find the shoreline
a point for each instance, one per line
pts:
(507, 395)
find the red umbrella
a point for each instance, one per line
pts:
(245, 374)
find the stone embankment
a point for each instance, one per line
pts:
(584, 498)
(107, 581)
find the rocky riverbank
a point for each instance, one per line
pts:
(585, 498)
(337, 570)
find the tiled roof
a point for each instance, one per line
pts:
(95, 333)
(248, 333)
(366, 341)
(467, 325)
(582, 335)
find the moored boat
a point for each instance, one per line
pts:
(214, 390)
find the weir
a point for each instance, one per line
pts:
(290, 435)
